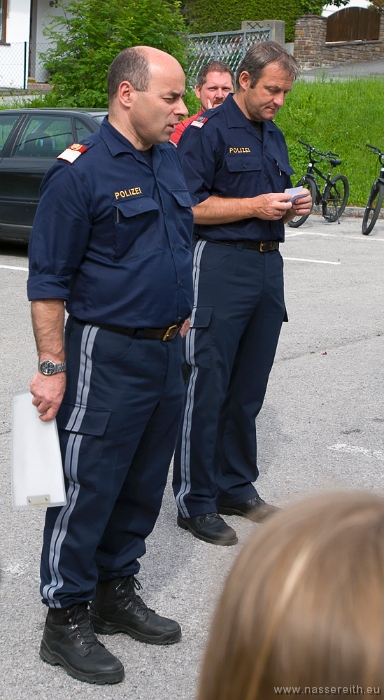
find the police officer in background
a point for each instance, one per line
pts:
(215, 80)
(111, 243)
(235, 162)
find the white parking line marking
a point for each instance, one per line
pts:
(333, 235)
(320, 262)
(10, 267)
(306, 233)
(354, 449)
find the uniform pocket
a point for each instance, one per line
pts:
(82, 437)
(242, 163)
(183, 198)
(135, 221)
(77, 418)
(201, 316)
(199, 338)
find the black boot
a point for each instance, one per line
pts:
(69, 641)
(117, 608)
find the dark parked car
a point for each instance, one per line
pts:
(30, 141)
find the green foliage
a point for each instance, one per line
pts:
(192, 102)
(339, 116)
(91, 33)
(227, 15)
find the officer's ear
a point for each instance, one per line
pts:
(244, 80)
(125, 93)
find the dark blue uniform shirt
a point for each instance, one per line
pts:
(227, 158)
(112, 235)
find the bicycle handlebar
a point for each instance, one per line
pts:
(377, 152)
(311, 149)
(375, 149)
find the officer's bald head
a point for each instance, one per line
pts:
(136, 65)
(132, 65)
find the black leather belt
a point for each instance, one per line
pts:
(262, 246)
(148, 333)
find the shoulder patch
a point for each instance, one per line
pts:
(199, 122)
(72, 152)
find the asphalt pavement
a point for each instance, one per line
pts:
(321, 428)
(343, 71)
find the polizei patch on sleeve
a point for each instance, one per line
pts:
(199, 122)
(70, 154)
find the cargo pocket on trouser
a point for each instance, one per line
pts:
(199, 339)
(82, 439)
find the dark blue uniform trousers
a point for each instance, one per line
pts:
(117, 424)
(235, 325)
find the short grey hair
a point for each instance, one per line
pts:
(130, 64)
(259, 56)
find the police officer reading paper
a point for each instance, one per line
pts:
(111, 243)
(235, 162)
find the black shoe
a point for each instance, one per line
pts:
(117, 608)
(255, 509)
(69, 641)
(209, 527)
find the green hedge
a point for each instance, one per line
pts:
(339, 116)
(226, 15)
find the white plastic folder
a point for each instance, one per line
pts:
(37, 471)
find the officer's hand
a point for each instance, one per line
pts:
(272, 206)
(48, 394)
(301, 207)
(185, 327)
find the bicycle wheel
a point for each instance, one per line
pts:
(335, 198)
(308, 184)
(372, 210)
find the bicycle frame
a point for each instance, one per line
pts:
(327, 179)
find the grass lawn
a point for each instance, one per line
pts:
(339, 116)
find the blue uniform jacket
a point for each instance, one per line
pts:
(112, 236)
(226, 158)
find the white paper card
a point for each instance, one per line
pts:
(37, 471)
(296, 193)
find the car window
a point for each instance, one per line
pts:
(7, 122)
(98, 119)
(44, 136)
(82, 130)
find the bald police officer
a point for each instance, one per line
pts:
(111, 244)
(235, 161)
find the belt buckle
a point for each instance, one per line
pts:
(168, 335)
(264, 246)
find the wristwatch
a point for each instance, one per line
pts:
(48, 367)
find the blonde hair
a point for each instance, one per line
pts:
(303, 605)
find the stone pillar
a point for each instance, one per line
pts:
(310, 35)
(277, 27)
(381, 32)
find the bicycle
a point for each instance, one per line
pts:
(375, 199)
(334, 196)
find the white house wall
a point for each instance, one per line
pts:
(17, 21)
(42, 14)
(43, 8)
(24, 40)
(13, 58)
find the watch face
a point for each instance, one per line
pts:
(47, 367)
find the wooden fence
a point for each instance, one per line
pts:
(353, 24)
